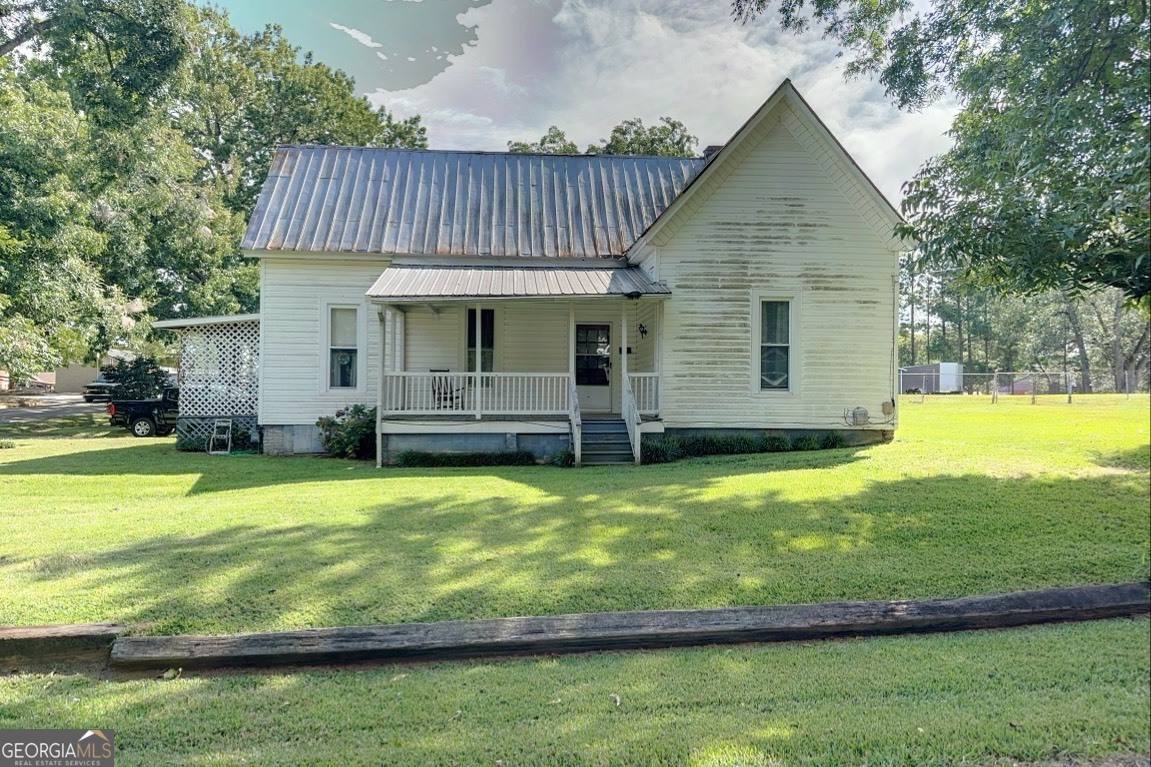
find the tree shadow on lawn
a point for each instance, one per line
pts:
(223, 473)
(620, 547)
(75, 426)
(214, 473)
(1133, 459)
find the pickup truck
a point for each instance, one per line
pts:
(147, 417)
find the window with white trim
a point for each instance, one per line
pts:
(343, 347)
(487, 339)
(775, 345)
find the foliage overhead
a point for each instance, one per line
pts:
(53, 305)
(132, 147)
(243, 95)
(121, 53)
(1047, 183)
(668, 139)
(555, 141)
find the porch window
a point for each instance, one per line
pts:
(342, 347)
(487, 339)
(775, 345)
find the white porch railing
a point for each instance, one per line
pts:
(645, 387)
(476, 394)
(630, 417)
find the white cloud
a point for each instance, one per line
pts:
(586, 65)
(499, 80)
(363, 38)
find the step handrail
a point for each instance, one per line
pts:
(631, 418)
(576, 420)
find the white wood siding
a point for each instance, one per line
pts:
(432, 339)
(533, 336)
(777, 222)
(642, 359)
(294, 295)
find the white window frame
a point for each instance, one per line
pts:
(793, 343)
(326, 349)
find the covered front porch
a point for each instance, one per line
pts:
(509, 351)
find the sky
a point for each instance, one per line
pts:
(482, 73)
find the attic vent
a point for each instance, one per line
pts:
(711, 152)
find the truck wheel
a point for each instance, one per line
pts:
(143, 427)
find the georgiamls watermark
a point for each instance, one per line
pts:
(57, 748)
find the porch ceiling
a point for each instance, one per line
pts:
(401, 283)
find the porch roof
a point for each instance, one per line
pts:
(404, 283)
(195, 322)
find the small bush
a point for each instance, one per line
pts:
(564, 458)
(664, 450)
(351, 433)
(141, 378)
(776, 443)
(833, 440)
(7, 444)
(806, 442)
(698, 445)
(409, 459)
(191, 444)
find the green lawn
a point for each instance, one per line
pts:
(978, 698)
(970, 498)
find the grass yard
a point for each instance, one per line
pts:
(970, 498)
(979, 698)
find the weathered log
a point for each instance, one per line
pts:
(628, 630)
(63, 642)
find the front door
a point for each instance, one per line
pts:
(593, 367)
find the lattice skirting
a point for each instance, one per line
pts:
(192, 432)
(220, 369)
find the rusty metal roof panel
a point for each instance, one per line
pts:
(421, 202)
(402, 283)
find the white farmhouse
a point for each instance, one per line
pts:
(492, 301)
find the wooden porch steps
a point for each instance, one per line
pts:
(605, 442)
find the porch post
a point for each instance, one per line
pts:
(382, 316)
(398, 323)
(623, 347)
(571, 338)
(479, 366)
(659, 357)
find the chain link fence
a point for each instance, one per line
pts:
(1008, 384)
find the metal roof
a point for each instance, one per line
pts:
(421, 202)
(437, 283)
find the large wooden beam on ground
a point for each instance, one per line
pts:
(628, 630)
(58, 643)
